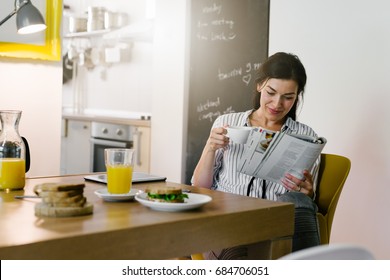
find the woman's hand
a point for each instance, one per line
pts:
(217, 139)
(204, 170)
(304, 185)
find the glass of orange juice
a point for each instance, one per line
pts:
(12, 173)
(119, 165)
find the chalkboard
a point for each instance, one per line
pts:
(229, 40)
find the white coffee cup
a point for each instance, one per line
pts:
(238, 134)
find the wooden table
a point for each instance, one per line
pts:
(129, 230)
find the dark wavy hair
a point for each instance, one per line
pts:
(284, 66)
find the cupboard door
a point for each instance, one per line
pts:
(141, 142)
(76, 151)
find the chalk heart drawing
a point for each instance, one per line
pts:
(246, 79)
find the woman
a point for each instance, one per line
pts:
(279, 88)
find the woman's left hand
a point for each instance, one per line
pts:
(304, 185)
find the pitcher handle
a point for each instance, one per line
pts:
(27, 153)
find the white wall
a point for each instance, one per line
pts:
(169, 89)
(345, 48)
(35, 88)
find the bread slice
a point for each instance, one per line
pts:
(57, 187)
(79, 203)
(71, 199)
(163, 190)
(43, 210)
(61, 194)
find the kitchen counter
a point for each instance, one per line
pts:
(107, 119)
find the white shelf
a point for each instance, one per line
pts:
(87, 34)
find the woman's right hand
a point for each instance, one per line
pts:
(204, 170)
(217, 139)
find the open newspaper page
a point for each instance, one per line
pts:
(271, 159)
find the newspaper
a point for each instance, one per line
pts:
(270, 155)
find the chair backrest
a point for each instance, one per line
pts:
(331, 252)
(334, 170)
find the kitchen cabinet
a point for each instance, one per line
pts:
(75, 147)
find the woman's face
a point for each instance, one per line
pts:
(277, 96)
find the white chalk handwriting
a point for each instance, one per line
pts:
(215, 34)
(215, 29)
(229, 74)
(223, 22)
(214, 8)
(208, 104)
(211, 116)
(222, 36)
(239, 71)
(209, 110)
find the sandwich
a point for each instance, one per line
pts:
(166, 194)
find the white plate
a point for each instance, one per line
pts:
(194, 201)
(103, 193)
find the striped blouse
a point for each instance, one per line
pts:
(226, 176)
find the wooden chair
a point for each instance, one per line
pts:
(333, 173)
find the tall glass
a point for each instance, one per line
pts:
(119, 165)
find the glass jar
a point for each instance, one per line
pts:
(12, 152)
(95, 18)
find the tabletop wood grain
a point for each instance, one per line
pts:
(129, 230)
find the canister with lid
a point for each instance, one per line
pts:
(95, 18)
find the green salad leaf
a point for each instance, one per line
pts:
(168, 197)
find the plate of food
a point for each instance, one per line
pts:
(171, 199)
(103, 193)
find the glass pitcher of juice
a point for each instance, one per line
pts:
(12, 152)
